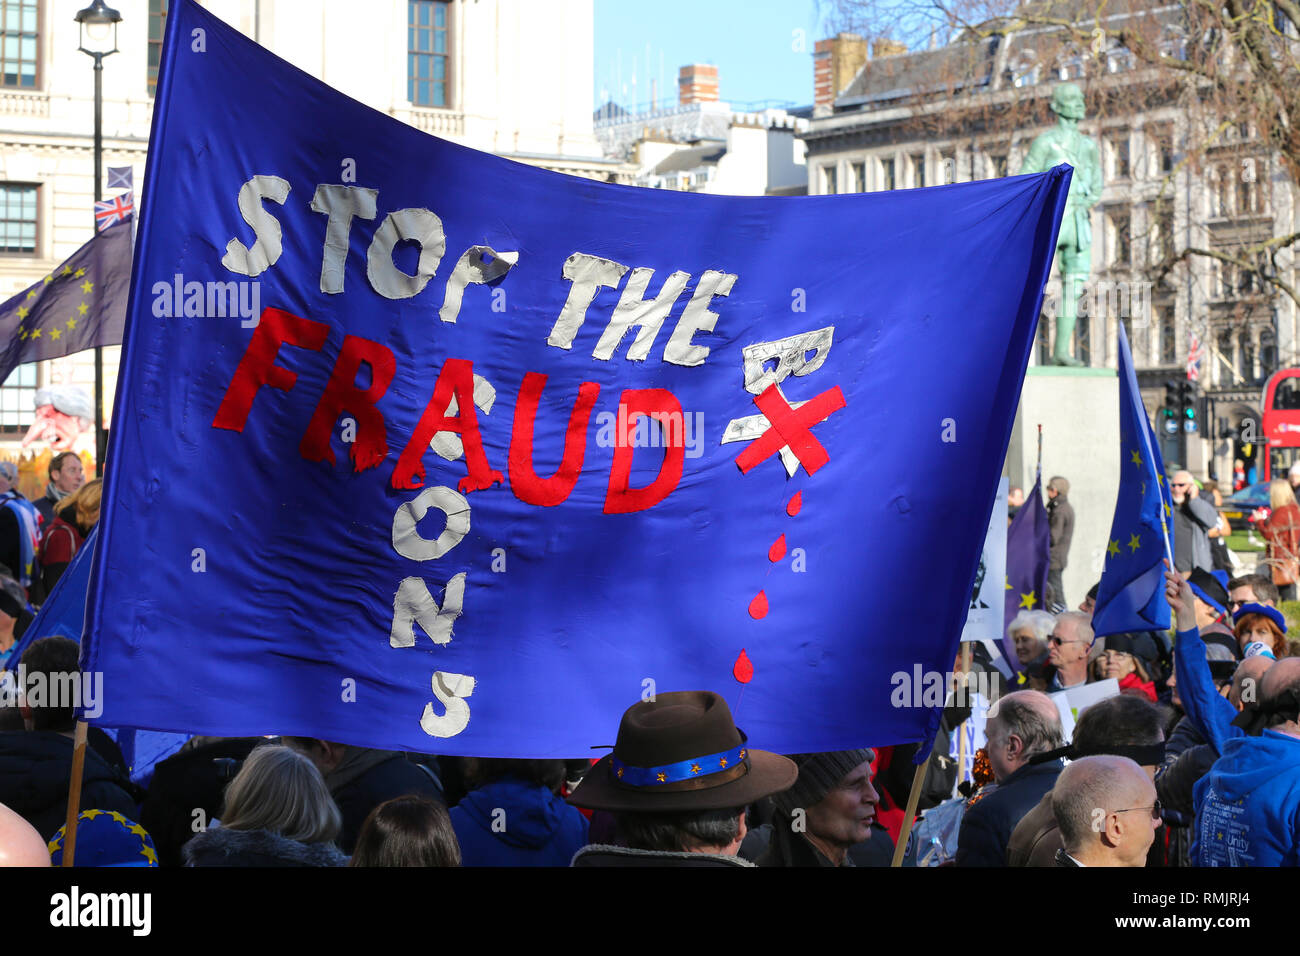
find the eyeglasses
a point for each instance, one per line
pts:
(1180, 484)
(1053, 639)
(1155, 809)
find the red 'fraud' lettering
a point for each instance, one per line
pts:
(524, 481)
(455, 380)
(369, 445)
(661, 405)
(258, 368)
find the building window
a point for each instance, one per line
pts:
(426, 52)
(1117, 152)
(858, 177)
(1248, 192)
(997, 164)
(828, 180)
(1121, 243)
(1226, 351)
(1220, 187)
(18, 399)
(157, 27)
(1168, 343)
(1246, 358)
(18, 43)
(1082, 340)
(18, 227)
(1165, 150)
(888, 179)
(1267, 354)
(918, 171)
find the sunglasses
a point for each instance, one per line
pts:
(1180, 484)
(1053, 639)
(1155, 809)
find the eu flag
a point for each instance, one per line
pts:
(1132, 592)
(79, 305)
(1029, 543)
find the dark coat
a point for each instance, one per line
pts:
(601, 854)
(535, 827)
(787, 848)
(35, 768)
(986, 827)
(366, 778)
(1192, 521)
(1060, 522)
(221, 847)
(1188, 758)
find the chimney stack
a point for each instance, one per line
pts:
(836, 62)
(697, 83)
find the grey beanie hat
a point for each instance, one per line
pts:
(819, 774)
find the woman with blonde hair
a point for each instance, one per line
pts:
(1281, 531)
(73, 518)
(278, 813)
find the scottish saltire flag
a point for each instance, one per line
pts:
(110, 212)
(420, 448)
(1132, 592)
(120, 177)
(79, 305)
(1029, 543)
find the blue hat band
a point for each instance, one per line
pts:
(693, 769)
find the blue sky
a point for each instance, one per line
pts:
(762, 48)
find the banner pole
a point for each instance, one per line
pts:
(909, 815)
(74, 793)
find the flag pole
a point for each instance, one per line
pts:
(74, 793)
(909, 815)
(1038, 473)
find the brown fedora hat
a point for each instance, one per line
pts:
(682, 751)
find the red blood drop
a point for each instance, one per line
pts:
(777, 551)
(743, 670)
(795, 504)
(758, 606)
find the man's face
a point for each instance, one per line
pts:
(843, 817)
(1241, 594)
(1051, 492)
(1140, 825)
(1026, 645)
(70, 478)
(1178, 486)
(1087, 606)
(1064, 647)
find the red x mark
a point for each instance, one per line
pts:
(791, 426)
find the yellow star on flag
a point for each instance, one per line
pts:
(49, 278)
(1166, 507)
(67, 271)
(36, 333)
(138, 830)
(31, 293)
(79, 273)
(91, 814)
(1160, 479)
(72, 323)
(87, 286)
(1028, 600)
(55, 333)
(149, 855)
(1113, 549)
(1144, 489)
(1008, 580)
(1136, 458)
(22, 334)
(22, 312)
(81, 309)
(1134, 542)
(118, 817)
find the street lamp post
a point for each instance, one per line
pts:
(98, 26)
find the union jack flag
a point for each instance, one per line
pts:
(112, 211)
(1195, 352)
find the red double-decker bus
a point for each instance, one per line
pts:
(1281, 424)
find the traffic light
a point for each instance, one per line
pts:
(1172, 397)
(1187, 402)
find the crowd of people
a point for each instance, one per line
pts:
(1194, 762)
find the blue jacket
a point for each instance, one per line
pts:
(533, 827)
(1210, 712)
(1248, 805)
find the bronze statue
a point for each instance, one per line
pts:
(1065, 144)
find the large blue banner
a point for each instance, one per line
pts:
(416, 447)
